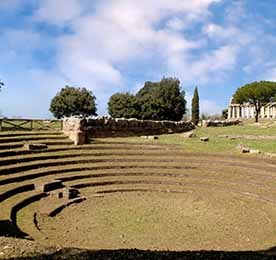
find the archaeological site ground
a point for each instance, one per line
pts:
(175, 197)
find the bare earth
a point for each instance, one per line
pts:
(148, 196)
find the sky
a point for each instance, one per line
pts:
(111, 46)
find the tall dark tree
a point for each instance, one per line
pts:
(162, 100)
(224, 113)
(72, 101)
(123, 105)
(1, 84)
(257, 94)
(195, 107)
(147, 100)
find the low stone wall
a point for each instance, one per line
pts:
(107, 126)
(79, 130)
(218, 123)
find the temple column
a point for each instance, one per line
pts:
(249, 111)
(230, 112)
(262, 112)
(236, 112)
(242, 112)
(252, 111)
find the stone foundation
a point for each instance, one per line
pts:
(218, 123)
(80, 130)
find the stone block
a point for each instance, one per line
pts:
(205, 123)
(189, 135)
(254, 151)
(243, 149)
(70, 193)
(31, 147)
(75, 128)
(170, 131)
(153, 137)
(204, 139)
(49, 186)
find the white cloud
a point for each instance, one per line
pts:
(58, 11)
(211, 66)
(119, 32)
(175, 24)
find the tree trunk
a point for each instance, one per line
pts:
(258, 110)
(256, 117)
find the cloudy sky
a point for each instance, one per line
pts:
(113, 46)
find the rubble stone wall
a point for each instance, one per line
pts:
(219, 123)
(107, 126)
(80, 130)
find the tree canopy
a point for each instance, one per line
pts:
(71, 101)
(162, 100)
(156, 100)
(195, 107)
(257, 94)
(123, 105)
(1, 84)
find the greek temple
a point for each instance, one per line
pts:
(247, 110)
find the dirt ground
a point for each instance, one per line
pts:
(168, 200)
(192, 220)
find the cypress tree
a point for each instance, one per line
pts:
(195, 107)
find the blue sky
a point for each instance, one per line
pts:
(111, 46)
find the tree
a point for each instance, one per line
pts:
(123, 105)
(72, 101)
(162, 100)
(1, 84)
(195, 107)
(224, 113)
(257, 94)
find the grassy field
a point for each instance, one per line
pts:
(174, 193)
(218, 144)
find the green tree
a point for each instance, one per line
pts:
(123, 105)
(162, 100)
(72, 101)
(257, 94)
(1, 84)
(195, 107)
(224, 113)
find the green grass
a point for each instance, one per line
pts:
(216, 144)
